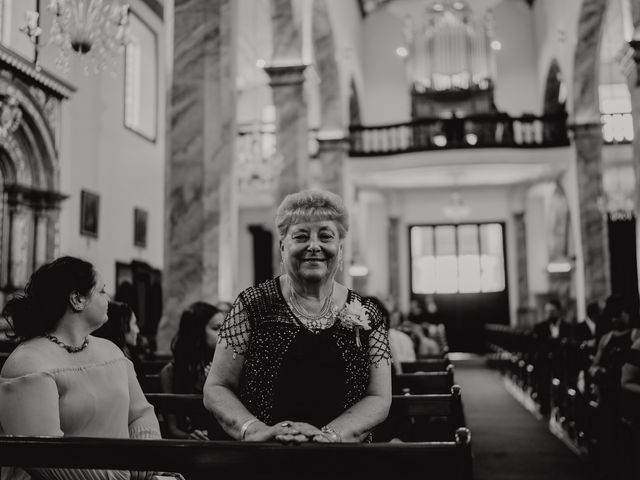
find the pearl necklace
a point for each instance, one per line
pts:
(68, 348)
(313, 321)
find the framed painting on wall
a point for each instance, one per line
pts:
(140, 227)
(89, 213)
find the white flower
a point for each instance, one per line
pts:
(355, 315)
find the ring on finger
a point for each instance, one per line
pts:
(285, 424)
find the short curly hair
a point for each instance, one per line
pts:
(312, 206)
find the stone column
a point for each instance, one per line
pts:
(292, 144)
(394, 258)
(332, 154)
(631, 66)
(521, 262)
(593, 227)
(201, 191)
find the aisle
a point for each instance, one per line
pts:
(509, 443)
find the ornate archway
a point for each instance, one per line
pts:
(29, 174)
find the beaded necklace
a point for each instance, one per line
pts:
(68, 348)
(314, 321)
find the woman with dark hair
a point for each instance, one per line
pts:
(122, 329)
(62, 381)
(192, 348)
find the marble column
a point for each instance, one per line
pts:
(332, 154)
(292, 143)
(394, 258)
(521, 259)
(631, 67)
(593, 227)
(201, 188)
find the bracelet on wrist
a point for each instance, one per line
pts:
(245, 426)
(335, 436)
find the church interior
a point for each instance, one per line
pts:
(484, 149)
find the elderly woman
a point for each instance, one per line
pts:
(305, 358)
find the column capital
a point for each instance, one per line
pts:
(585, 130)
(280, 75)
(332, 144)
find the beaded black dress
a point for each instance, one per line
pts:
(294, 373)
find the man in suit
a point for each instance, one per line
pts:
(553, 325)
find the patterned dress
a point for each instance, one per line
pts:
(292, 372)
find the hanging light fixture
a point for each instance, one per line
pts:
(93, 30)
(10, 114)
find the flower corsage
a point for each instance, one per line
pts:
(354, 317)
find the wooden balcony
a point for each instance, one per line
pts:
(474, 131)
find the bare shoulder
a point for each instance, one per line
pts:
(32, 356)
(105, 349)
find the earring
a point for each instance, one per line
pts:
(340, 263)
(281, 265)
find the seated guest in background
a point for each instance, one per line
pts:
(400, 343)
(614, 345)
(224, 307)
(122, 329)
(553, 325)
(431, 337)
(303, 358)
(631, 369)
(62, 381)
(586, 331)
(606, 371)
(192, 348)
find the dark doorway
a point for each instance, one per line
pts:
(622, 255)
(140, 286)
(463, 268)
(262, 253)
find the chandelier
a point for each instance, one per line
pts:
(92, 30)
(10, 114)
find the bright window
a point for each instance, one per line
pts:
(466, 258)
(141, 73)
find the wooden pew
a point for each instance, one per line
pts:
(427, 365)
(154, 365)
(450, 460)
(150, 383)
(410, 416)
(423, 383)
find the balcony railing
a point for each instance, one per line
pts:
(617, 128)
(474, 131)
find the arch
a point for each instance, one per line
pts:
(31, 148)
(325, 61)
(587, 59)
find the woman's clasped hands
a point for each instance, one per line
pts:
(288, 432)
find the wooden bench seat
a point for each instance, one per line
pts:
(237, 460)
(423, 383)
(411, 417)
(428, 365)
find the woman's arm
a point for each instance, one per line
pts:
(356, 422)
(143, 423)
